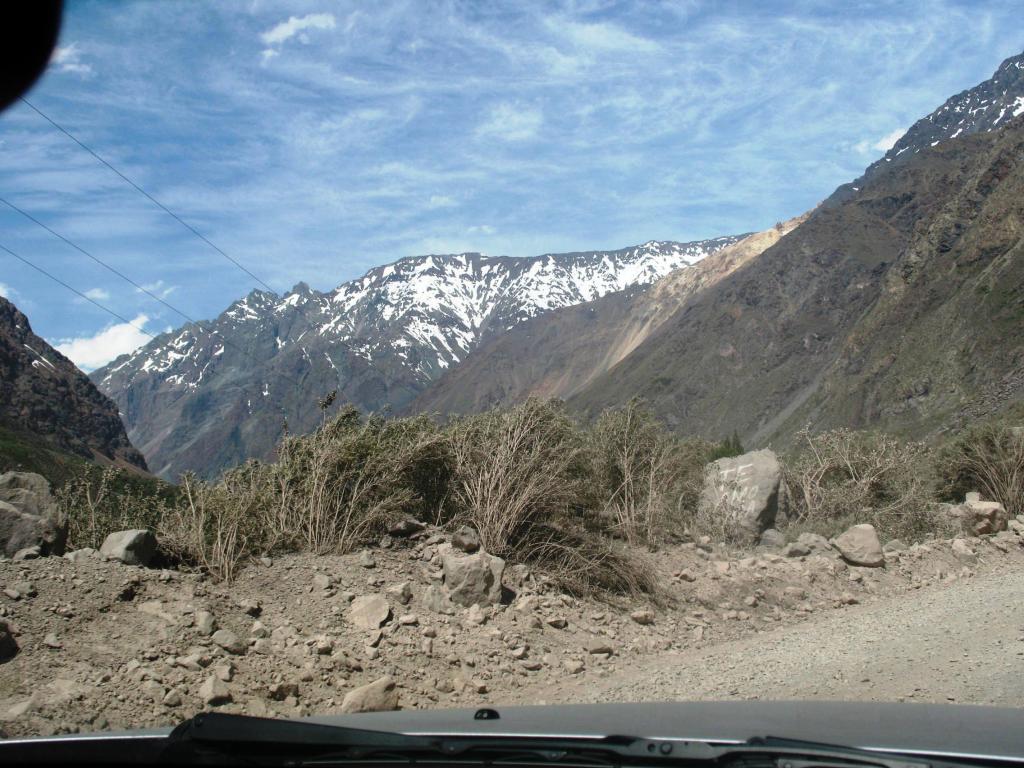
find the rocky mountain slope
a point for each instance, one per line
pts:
(559, 353)
(900, 306)
(45, 400)
(208, 396)
(986, 107)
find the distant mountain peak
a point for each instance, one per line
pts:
(213, 393)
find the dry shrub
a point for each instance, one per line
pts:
(341, 484)
(988, 459)
(515, 470)
(523, 479)
(212, 526)
(633, 463)
(97, 502)
(863, 477)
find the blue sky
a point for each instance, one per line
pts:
(314, 140)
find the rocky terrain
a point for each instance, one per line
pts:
(209, 396)
(46, 401)
(91, 642)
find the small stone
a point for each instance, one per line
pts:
(405, 527)
(229, 641)
(282, 691)
(322, 581)
(475, 615)
(466, 539)
(214, 692)
(205, 623)
(573, 666)
(963, 552)
(402, 593)
(266, 560)
(408, 620)
(225, 672)
(598, 645)
(558, 622)
(367, 560)
(251, 607)
(28, 553)
(518, 653)
(172, 698)
(368, 611)
(258, 630)
(643, 617)
(379, 696)
(51, 641)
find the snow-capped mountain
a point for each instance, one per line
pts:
(212, 394)
(987, 106)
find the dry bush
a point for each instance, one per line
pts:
(844, 475)
(635, 469)
(515, 470)
(212, 526)
(988, 459)
(344, 482)
(97, 502)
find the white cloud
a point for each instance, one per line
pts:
(296, 25)
(511, 123)
(886, 143)
(90, 352)
(6, 291)
(605, 37)
(97, 294)
(483, 229)
(68, 58)
(883, 144)
(440, 201)
(159, 288)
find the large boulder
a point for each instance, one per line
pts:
(859, 545)
(473, 579)
(29, 516)
(134, 547)
(746, 490)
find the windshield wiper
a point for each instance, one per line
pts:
(216, 738)
(259, 741)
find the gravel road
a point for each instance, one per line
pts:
(961, 642)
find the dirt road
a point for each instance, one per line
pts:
(961, 642)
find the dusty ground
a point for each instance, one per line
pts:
(105, 645)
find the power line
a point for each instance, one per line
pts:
(146, 194)
(102, 263)
(211, 331)
(56, 279)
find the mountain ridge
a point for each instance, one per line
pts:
(191, 398)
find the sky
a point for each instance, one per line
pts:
(311, 141)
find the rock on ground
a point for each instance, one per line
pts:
(379, 696)
(133, 547)
(473, 579)
(745, 490)
(859, 545)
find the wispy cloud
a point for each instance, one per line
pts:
(884, 144)
(97, 294)
(511, 122)
(91, 352)
(68, 58)
(7, 292)
(315, 143)
(297, 25)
